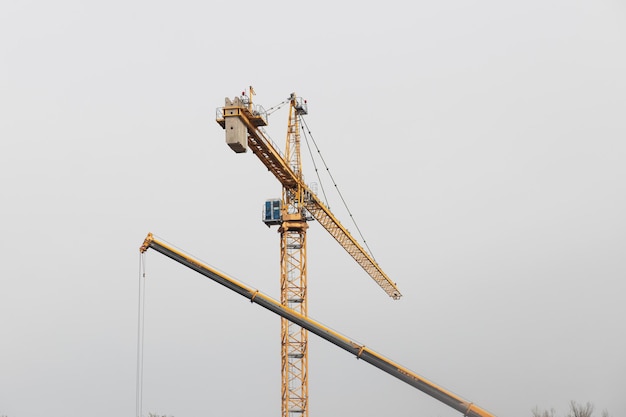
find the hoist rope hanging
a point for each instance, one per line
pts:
(140, 335)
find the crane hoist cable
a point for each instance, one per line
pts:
(141, 314)
(316, 169)
(317, 172)
(140, 335)
(276, 107)
(345, 204)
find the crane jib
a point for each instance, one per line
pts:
(248, 122)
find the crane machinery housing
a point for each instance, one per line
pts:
(243, 123)
(452, 400)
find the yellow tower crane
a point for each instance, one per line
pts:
(242, 121)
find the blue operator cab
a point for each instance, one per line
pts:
(271, 212)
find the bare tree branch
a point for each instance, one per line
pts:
(579, 410)
(543, 413)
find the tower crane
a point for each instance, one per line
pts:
(362, 352)
(243, 122)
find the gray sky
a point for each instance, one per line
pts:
(479, 145)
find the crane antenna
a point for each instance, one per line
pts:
(303, 124)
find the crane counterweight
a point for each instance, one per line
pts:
(232, 120)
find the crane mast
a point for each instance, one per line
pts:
(293, 278)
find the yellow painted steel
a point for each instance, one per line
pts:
(293, 282)
(276, 163)
(151, 241)
(360, 351)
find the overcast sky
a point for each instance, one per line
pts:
(479, 145)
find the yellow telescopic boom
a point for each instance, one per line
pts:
(360, 351)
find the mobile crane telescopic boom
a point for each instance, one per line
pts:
(465, 407)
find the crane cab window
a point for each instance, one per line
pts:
(271, 212)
